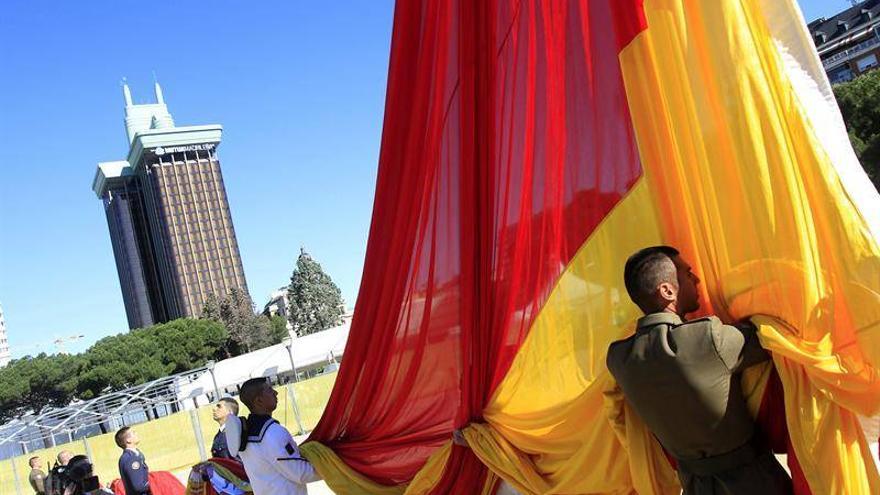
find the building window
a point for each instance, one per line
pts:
(841, 75)
(867, 62)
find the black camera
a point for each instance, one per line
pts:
(79, 473)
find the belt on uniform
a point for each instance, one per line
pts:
(709, 466)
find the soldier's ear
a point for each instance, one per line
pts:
(667, 291)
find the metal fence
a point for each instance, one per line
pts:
(171, 442)
(109, 412)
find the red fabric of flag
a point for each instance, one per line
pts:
(507, 139)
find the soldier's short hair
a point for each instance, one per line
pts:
(251, 389)
(64, 457)
(231, 405)
(121, 436)
(33, 464)
(647, 269)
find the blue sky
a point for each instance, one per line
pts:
(814, 9)
(298, 86)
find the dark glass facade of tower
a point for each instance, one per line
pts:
(135, 261)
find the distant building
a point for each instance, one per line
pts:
(849, 42)
(168, 216)
(5, 355)
(278, 305)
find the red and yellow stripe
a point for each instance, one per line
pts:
(732, 168)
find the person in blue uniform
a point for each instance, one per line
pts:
(132, 466)
(222, 409)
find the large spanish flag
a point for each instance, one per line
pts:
(529, 147)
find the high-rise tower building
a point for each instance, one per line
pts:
(5, 355)
(168, 216)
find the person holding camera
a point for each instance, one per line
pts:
(82, 480)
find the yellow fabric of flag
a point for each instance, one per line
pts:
(738, 178)
(735, 177)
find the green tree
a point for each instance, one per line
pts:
(315, 301)
(859, 102)
(247, 331)
(129, 359)
(279, 328)
(189, 343)
(31, 384)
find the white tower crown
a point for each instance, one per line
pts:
(146, 116)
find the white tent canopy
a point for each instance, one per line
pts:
(313, 350)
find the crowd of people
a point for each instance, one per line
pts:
(682, 378)
(71, 475)
(264, 448)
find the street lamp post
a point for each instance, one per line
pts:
(210, 366)
(288, 343)
(291, 393)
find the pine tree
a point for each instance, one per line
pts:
(315, 301)
(247, 331)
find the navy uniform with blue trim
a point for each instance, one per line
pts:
(270, 456)
(218, 446)
(221, 411)
(134, 472)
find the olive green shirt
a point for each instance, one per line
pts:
(37, 479)
(683, 380)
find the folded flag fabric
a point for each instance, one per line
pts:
(224, 477)
(161, 483)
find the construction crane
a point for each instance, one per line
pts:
(58, 343)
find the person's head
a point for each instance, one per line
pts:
(657, 279)
(34, 462)
(79, 468)
(259, 396)
(223, 408)
(64, 457)
(126, 438)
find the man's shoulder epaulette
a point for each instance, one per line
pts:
(709, 321)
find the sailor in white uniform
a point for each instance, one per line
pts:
(270, 456)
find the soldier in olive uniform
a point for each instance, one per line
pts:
(683, 380)
(37, 478)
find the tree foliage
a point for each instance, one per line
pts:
(279, 329)
(859, 102)
(247, 331)
(31, 384)
(315, 301)
(129, 359)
